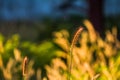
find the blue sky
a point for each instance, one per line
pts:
(112, 7)
(18, 9)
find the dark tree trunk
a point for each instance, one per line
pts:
(96, 14)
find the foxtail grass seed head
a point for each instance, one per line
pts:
(24, 67)
(74, 40)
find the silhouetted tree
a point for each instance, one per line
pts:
(66, 4)
(96, 14)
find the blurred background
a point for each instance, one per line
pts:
(31, 19)
(35, 28)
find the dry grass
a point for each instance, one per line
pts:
(93, 58)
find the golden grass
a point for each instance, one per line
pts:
(95, 59)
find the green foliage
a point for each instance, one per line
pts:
(41, 54)
(12, 50)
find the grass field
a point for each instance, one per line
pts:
(91, 56)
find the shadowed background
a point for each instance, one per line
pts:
(32, 19)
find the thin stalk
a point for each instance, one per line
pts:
(74, 40)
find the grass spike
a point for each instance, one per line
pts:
(74, 40)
